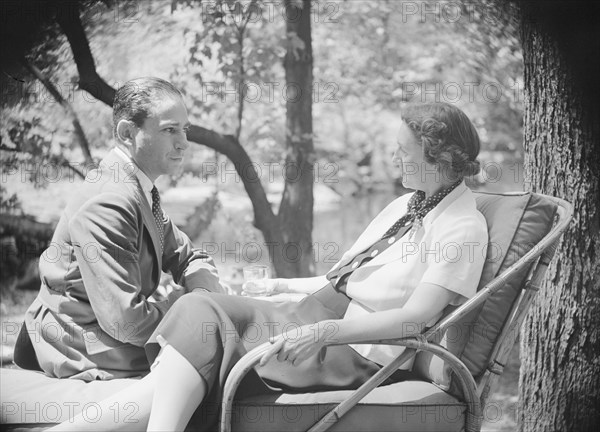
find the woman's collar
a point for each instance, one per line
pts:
(444, 203)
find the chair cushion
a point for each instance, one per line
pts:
(516, 223)
(30, 397)
(407, 406)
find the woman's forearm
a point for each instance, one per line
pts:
(424, 306)
(302, 285)
(389, 324)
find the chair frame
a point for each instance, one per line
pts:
(475, 392)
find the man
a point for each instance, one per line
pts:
(93, 314)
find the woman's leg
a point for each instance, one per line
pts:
(179, 389)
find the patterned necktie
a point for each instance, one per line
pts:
(158, 216)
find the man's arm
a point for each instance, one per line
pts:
(104, 233)
(190, 267)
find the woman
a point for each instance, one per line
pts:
(421, 253)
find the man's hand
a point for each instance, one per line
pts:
(163, 291)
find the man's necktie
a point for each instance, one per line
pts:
(158, 216)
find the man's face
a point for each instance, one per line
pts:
(161, 141)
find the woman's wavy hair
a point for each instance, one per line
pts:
(447, 136)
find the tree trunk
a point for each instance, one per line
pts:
(560, 372)
(296, 209)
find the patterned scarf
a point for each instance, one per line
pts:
(418, 207)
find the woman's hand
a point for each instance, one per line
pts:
(299, 343)
(276, 286)
(268, 286)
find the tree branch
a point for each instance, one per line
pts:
(249, 15)
(81, 138)
(89, 80)
(79, 173)
(92, 82)
(229, 146)
(241, 90)
(4, 147)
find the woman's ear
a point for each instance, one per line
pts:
(126, 131)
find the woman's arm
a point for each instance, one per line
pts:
(427, 302)
(299, 285)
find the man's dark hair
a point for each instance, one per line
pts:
(135, 99)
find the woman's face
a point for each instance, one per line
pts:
(409, 157)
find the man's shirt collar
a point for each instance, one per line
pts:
(144, 180)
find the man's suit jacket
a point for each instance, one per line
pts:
(92, 316)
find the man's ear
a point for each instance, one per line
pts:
(126, 131)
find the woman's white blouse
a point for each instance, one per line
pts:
(448, 250)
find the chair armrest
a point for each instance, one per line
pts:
(467, 383)
(237, 373)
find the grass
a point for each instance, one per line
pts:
(13, 305)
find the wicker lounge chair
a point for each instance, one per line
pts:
(459, 359)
